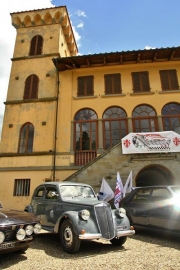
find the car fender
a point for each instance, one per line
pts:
(120, 221)
(78, 223)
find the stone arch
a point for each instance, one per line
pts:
(27, 21)
(16, 22)
(57, 16)
(153, 175)
(48, 18)
(37, 19)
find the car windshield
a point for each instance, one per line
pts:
(76, 191)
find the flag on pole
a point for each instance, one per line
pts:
(128, 185)
(106, 193)
(118, 191)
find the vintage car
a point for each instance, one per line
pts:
(17, 230)
(154, 208)
(73, 211)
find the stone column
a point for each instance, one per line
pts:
(160, 124)
(130, 126)
(100, 137)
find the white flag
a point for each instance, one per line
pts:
(118, 191)
(106, 193)
(128, 185)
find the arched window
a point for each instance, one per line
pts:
(114, 125)
(36, 45)
(31, 87)
(144, 119)
(26, 138)
(171, 117)
(85, 136)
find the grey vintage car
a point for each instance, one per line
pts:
(73, 211)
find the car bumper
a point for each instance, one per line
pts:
(11, 246)
(99, 236)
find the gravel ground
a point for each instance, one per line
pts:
(141, 251)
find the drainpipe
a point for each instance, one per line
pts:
(56, 120)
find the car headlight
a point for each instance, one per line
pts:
(2, 237)
(122, 212)
(21, 234)
(85, 214)
(29, 230)
(37, 228)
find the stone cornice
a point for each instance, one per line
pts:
(12, 102)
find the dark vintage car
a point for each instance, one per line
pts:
(154, 208)
(17, 229)
(73, 211)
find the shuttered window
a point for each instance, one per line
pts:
(31, 87)
(36, 45)
(140, 81)
(26, 138)
(169, 80)
(85, 86)
(112, 83)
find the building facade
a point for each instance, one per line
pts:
(65, 115)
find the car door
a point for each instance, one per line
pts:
(137, 207)
(52, 206)
(37, 201)
(163, 214)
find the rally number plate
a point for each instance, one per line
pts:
(7, 245)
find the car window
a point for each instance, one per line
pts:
(51, 193)
(39, 193)
(76, 191)
(159, 194)
(142, 195)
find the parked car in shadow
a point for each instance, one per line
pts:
(17, 230)
(73, 211)
(154, 208)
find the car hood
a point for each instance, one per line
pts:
(10, 217)
(85, 202)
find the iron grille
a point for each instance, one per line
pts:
(105, 220)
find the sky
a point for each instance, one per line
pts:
(99, 26)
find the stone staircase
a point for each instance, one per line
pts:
(104, 166)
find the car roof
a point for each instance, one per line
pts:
(68, 183)
(159, 186)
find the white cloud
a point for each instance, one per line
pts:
(76, 35)
(81, 13)
(149, 48)
(80, 25)
(7, 40)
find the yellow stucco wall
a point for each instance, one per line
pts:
(39, 166)
(7, 186)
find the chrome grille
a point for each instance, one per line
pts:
(105, 220)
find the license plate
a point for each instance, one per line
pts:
(7, 245)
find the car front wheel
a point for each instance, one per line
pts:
(69, 240)
(118, 241)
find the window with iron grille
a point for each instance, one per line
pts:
(31, 87)
(21, 187)
(140, 81)
(26, 138)
(36, 45)
(169, 80)
(85, 86)
(112, 83)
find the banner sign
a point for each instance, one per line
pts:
(151, 142)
